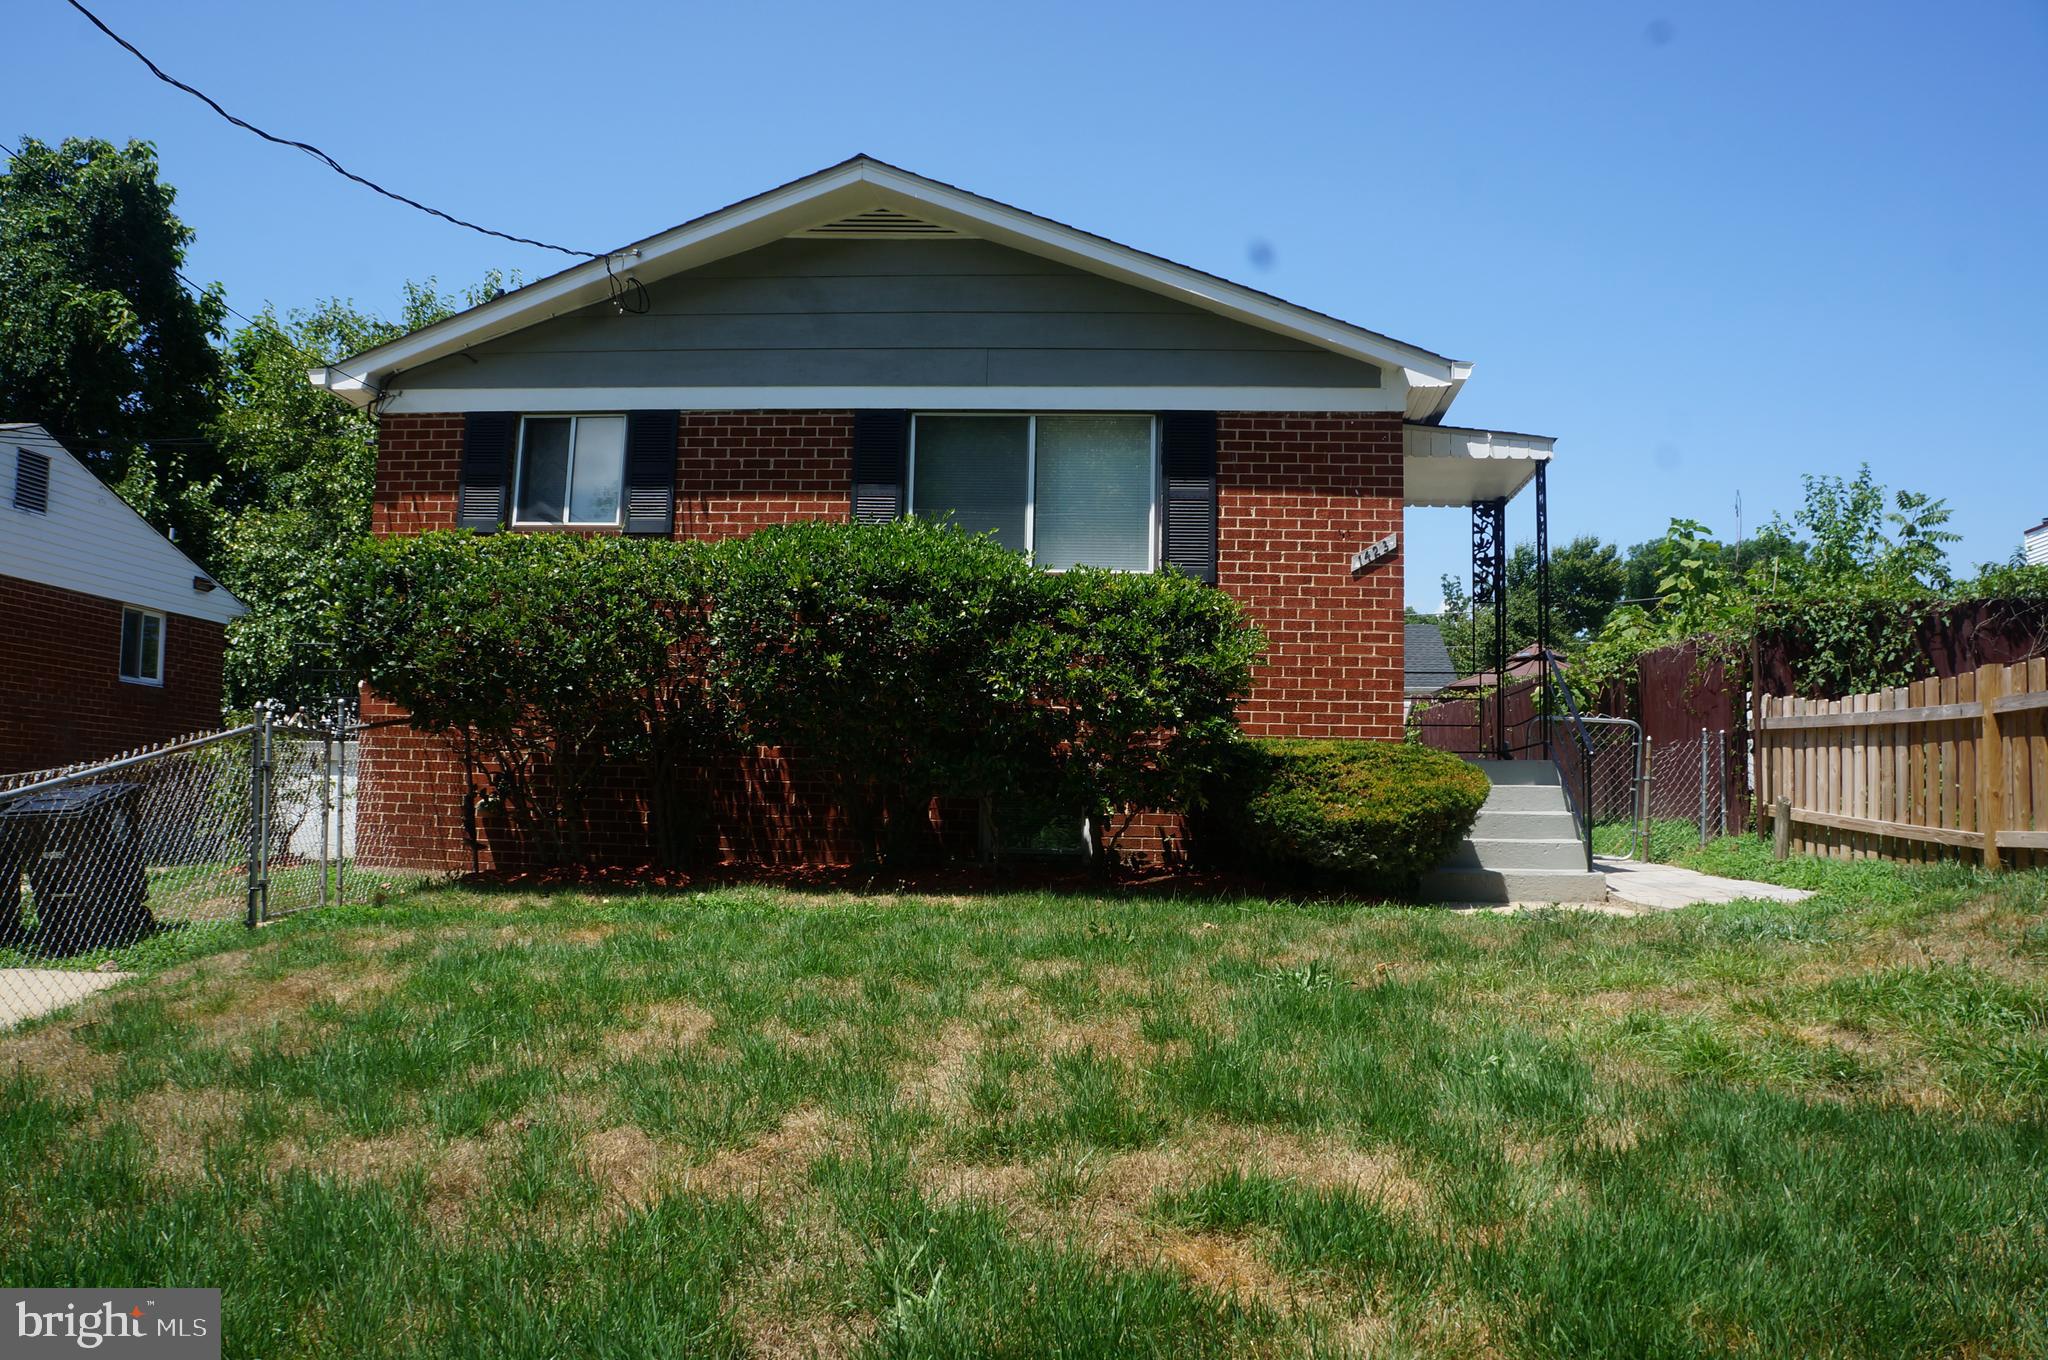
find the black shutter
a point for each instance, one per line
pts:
(484, 497)
(1187, 455)
(881, 461)
(651, 472)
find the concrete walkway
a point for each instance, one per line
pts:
(26, 993)
(1662, 887)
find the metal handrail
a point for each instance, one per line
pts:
(1582, 803)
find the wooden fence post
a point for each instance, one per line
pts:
(1990, 765)
(1781, 830)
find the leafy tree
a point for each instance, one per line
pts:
(100, 340)
(1851, 572)
(1860, 543)
(299, 467)
(1585, 585)
(1647, 564)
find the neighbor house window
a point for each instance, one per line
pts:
(142, 646)
(571, 469)
(1070, 491)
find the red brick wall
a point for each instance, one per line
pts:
(62, 699)
(419, 466)
(410, 813)
(738, 471)
(1297, 495)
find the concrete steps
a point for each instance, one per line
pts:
(1526, 826)
(1523, 848)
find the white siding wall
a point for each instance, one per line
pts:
(2037, 546)
(92, 542)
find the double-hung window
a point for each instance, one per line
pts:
(142, 646)
(1068, 490)
(571, 470)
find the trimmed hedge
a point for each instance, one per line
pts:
(901, 662)
(1369, 816)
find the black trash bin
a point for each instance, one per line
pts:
(81, 849)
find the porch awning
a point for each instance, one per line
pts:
(1452, 465)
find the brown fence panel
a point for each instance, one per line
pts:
(1679, 694)
(1951, 767)
(1469, 727)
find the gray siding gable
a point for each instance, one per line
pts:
(914, 313)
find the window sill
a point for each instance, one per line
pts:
(137, 680)
(545, 528)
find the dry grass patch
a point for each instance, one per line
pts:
(1111, 1212)
(624, 1164)
(56, 1058)
(940, 1079)
(803, 1041)
(1229, 1266)
(456, 1171)
(177, 1124)
(810, 1334)
(665, 1027)
(1619, 1002)
(1111, 1036)
(230, 1014)
(775, 1166)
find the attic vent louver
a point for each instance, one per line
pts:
(881, 222)
(32, 481)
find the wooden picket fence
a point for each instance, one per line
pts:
(1940, 769)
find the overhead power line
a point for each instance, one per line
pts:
(315, 152)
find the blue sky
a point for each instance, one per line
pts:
(1707, 247)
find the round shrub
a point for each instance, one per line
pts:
(1369, 816)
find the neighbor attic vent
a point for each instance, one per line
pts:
(32, 481)
(881, 222)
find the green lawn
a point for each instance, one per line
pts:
(753, 1122)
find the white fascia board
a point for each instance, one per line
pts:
(453, 400)
(833, 193)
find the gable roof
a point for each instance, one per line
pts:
(1426, 665)
(864, 196)
(91, 541)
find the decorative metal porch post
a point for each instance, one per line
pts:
(1489, 585)
(1543, 594)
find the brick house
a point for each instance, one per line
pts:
(114, 636)
(865, 343)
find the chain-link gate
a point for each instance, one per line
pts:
(1612, 787)
(1687, 797)
(218, 831)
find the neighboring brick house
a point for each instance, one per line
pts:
(865, 343)
(113, 636)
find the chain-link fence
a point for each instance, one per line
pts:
(219, 831)
(1689, 789)
(1652, 799)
